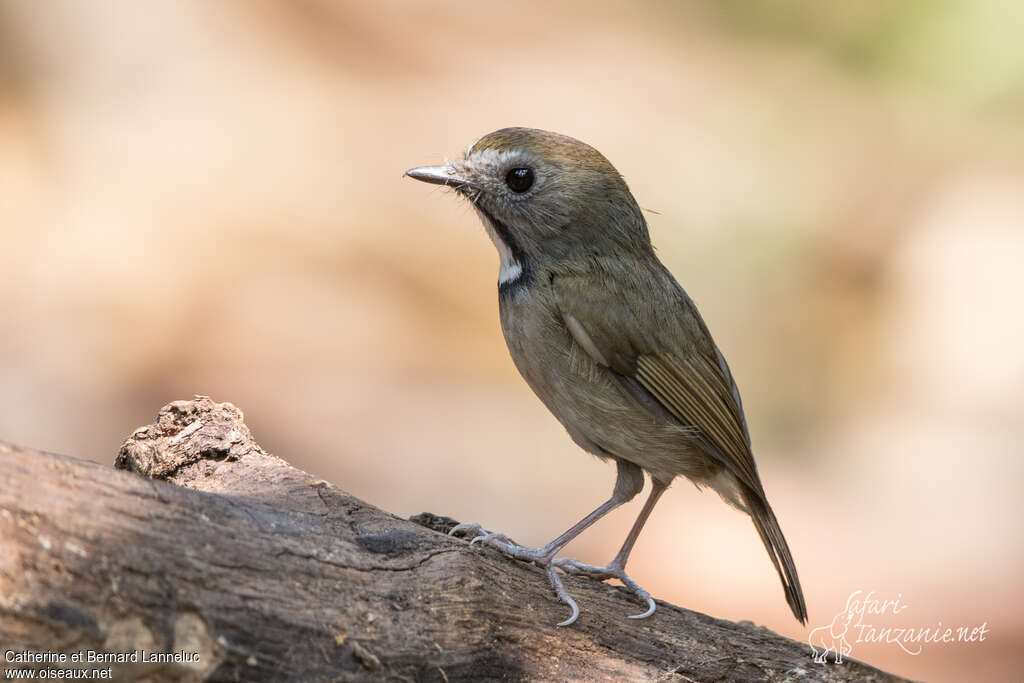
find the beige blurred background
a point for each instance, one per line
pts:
(207, 198)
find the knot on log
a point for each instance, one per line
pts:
(185, 433)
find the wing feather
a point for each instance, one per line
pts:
(696, 394)
(683, 377)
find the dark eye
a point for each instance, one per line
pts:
(519, 179)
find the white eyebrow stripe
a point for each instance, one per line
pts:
(494, 160)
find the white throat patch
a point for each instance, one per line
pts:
(509, 273)
(509, 269)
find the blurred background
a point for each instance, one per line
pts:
(208, 198)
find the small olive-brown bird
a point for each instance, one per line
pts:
(608, 340)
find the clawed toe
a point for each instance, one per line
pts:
(563, 595)
(466, 529)
(571, 566)
(651, 606)
(578, 568)
(478, 534)
(491, 537)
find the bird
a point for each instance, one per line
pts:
(609, 341)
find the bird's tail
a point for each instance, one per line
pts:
(775, 543)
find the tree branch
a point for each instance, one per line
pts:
(269, 575)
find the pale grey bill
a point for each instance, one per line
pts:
(437, 175)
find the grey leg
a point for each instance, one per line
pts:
(616, 569)
(629, 482)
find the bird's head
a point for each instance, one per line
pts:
(544, 198)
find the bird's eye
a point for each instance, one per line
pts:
(519, 179)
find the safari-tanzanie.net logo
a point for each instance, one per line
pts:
(870, 619)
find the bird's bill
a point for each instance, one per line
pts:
(438, 175)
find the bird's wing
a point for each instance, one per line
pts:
(650, 337)
(662, 354)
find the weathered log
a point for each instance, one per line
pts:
(269, 574)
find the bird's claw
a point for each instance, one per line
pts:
(563, 595)
(491, 537)
(651, 606)
(571, 566)
(482, 535)
(462, 528)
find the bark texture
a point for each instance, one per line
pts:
(208, 544)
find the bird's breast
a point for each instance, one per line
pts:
(585, 397)
(542, 350)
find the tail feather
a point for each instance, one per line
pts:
(775, 543)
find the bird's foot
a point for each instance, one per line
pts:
(612, 571)
(478, 534)
(540, 556)
(544, 557)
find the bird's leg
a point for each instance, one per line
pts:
(629, 482)
(616, 569)
(543, 555)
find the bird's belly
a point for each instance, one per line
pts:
(588, 401)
